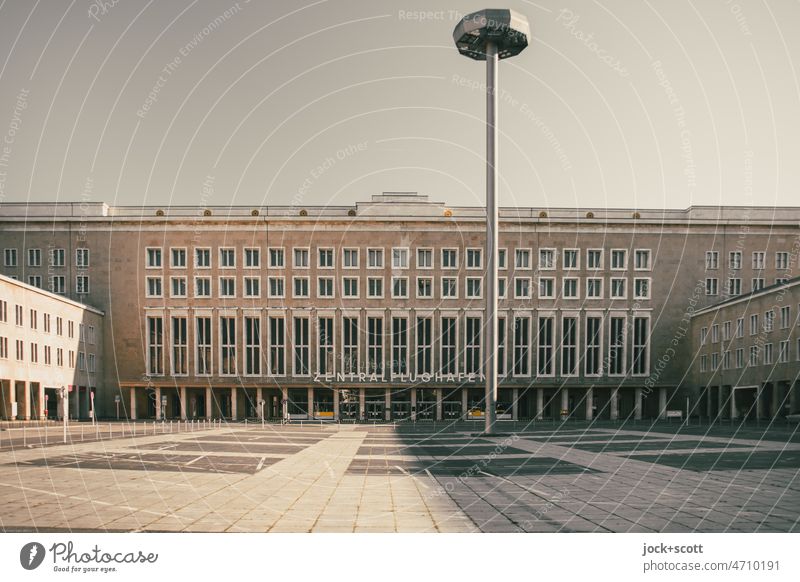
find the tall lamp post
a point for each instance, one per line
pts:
(490, 35)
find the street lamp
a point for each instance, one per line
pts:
(64, 410)
(489, 35)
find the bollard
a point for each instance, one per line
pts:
(24, 437)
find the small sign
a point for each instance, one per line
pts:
(117, 398)
(674, 414)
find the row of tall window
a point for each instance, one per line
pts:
(756, 325)
(55, 257)
(86, 362)
(43, 321)
(395, 257)
(396, 345)
(757, 355)
(399, 287)
(758, 260)
(733, 285)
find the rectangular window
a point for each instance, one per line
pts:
(399, 258)
(178, 286)
(277, 346)
(712, 286)
(202, 286)
(325, 287)
(641, 346)
(153, 256)
(545, 354)
(473, 361)
(474, 259)
(739, 358)
(350, 258)
(326, 359)
(57, 257)
(712, 260)
(180, 346)
(276, 258)
(449, 346)
(155, 346)
(424, 287)
(769, 320)
(227, 287)
(734, 286)
(375, 345)
(785, 317)
(474, 287)
(300, 287)
(375, 287)
(324, 258)
(546, 288)
(726, 331)
(783, 352)
(399, 346)
(594, 259)
(502, 258)
(547, 259)
(449, 258)
(178, 258)
(58, 284)
(641, 259)
(522, 287)
(301, 258)
(767, 354)
(400, 287)
(618, 288)
(252, 258)
(715, 333)
(501, 346)
(424, 258)
(758, 260)
(82, 258)
(252, 346)
(227, 342)
(501, 287)
(522, 259)
(735, 260)
(35, 281)
(252, 286)
(617, 335)
(571, 259)
(202, 258)
(350, 287)
(204, 346)
(781, 261)
(301, 346)
(227, 258)
(276, 287)
(569, 346)
(350, 345)
(10, 257)
(619, 259)
(594, 288)
(154, 287)
(754, 324)
(449, 288)
(570, 287)
(740, 327)
(424, 345)
(522, 346)
(641, 288)
(753, 356)
(35, 257)
(757, 283)
(593, 354)
(375, 258)
(82, 284)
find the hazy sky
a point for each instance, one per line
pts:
(650, 103)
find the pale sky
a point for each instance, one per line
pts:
(652, 103)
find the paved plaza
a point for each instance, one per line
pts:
(422, 478)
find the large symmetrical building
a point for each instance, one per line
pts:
(375, 311)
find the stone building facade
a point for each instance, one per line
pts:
(375, 311)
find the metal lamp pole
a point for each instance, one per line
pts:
(491, 35)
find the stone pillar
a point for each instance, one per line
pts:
(234, 402)
(734, 409)
(614, 403)
(515, 404)
(762, 388)
(794, 387)
(158, 403)
(362, 403)
(709, 403)
(413, 404)
(285, 403)
(26, 401)
(182, 398)
(209, 402)
(76, 401)
(259, 408)
(464, 402)
(721, 401)
(388, 404)
(133, 403)
(662, 403)
(539, 403)
(590, 404)
(777, 399)
(637, 404)
(439, 413)
(42, 409)
(63, 405)
(565, 403)
(335, 403)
